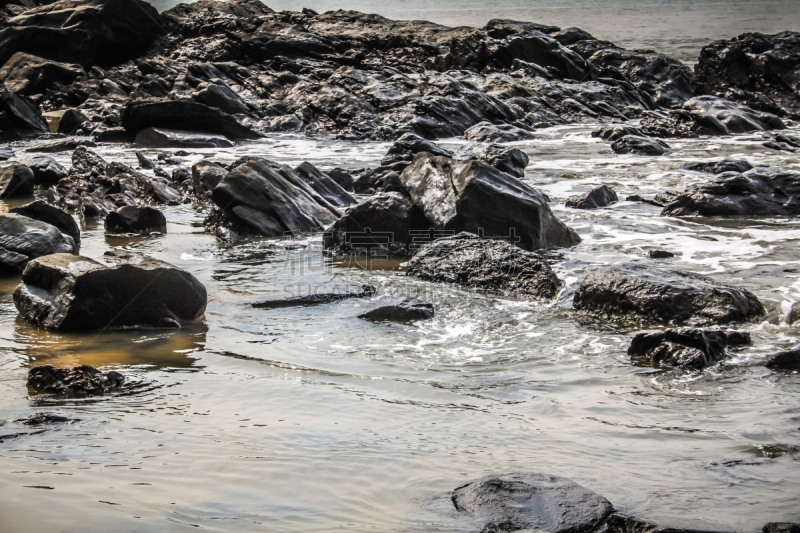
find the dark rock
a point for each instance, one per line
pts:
(493, 265)
(509, 160)
(44, 212)
(59, 45)
(760, 192)
(87, 162)
(571, 36)
(23, 239)
(789, 360)
(614, 132)
(181, 115)
(16, 180)
(364, 291)
(167, 138)
(77, 380)
(633, 144)
(74, 293)
(689, 348)
(324, 185)
(601, 196)
(680, 123)
(781, 527)
(405, 311)
(46, 170)
(407, 146)
(386, 224)
(71, 121)
(645, 293)
(659, 254)
(6, 153)
(342, 177)
(137, 220)
(619, 523)
(18, 114)
(474, 197)
(61, 145)
(43, 418)
(144, 163)
(112, 135)
(738, 118)
(207, 175)
(527, 501)
(783, 147)
(28, 74)
(486, 132)
(718, 167)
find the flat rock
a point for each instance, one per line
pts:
(171, 138)
(405, 311)
(601, 196)
(689, 348)
(23, 239)
(77, 380)
(139, 220)
(718, 167)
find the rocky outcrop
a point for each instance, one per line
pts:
(205, 176)
(182, 115)
(170, 138)
(74, 293)
(135, 220)
(644, 293)
(44, 212)
(23, 239)
(16, 180)
(76, 380)
(28, 74)
(601, 196)
(788, 360)
(405, 311)
(688, 348)
(324, 185)
(484, 264)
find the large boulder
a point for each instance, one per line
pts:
(483, 264)
(74, 293)
(16, 180)
(23, 239)
(324, 185)
(528, 501)
(44, 212)
(28, 74)
(644, 293)
(737, 118)
(169, 138)
(135, 220)
(601, 196)
(76, 380)
(182, 115)
(475, 197)
(206, 175)
(19, 115)
(689, 348)
(760, 192)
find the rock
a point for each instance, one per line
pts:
(342, 177)
(23, 239)
(475, 197)
(77, 380)
(61, 145)
(789, 360)
(614, 132)
(492, 265)
(112, 135)
(486, 132)
(633, 144)
(760, 192)
(753, 68)
(601, 196)
(168, 138)
(16, 180)
(144, 163)
(738, 118)
(136, 220)
(528, 501)
(504, 158)
(619, 523)
(44, 212)
(407, 146)
(46, 170)
(783, 147)
(59, 45)
(680, 123)
(688, 348)
(71, 121)
(182, 116)
(28, 74)
(571, 36)
(364, 291)
(718, 167)
(39, 419)
(86, 162)
(405, 311)
(659, 254)
(19, 115)
(207, 175)
(6, 153)
(74, 293)
(644, 293)
(781, 527)
(324, 185)
(384, 225)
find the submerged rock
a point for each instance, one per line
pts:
(364, 291)
(659, 254)
(16, 180)
(634, 144)
(645, 293)
(171, 138)
(690, 348)
(601, 196)
(74, 293)
(136, 220)
(44, 212)
(718, 167)
(788, 360)
(405, 311)
(23, 239)
(82, 379)
(39, 419)
(527, 501)
(493, 265)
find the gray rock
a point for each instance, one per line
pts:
(781, 527)
(77, 380)
(689, 348)
(324, 185)
(206, 175)
(634, 144)
(170, 138)
(23, 239)
(44, 212)
(486, 132)
(144, 163)
(16, 180)
(46, 170)
(718, 167)
(788, 360)
(601, 196)
(364, 291)
(509, 160)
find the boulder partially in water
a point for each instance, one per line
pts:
(74, 293)
(788, 360)
(781, 527)
(139, 220)
(205, 176)
(484, 264)
(405, 311)
(509, 160)
(601, 196)
(44, 212)
(529, 501)
(172, 138)
(645, 293)
(46, 170)
(16, 180)
(689, 348)
(486, 132)
(317, 298)
(634, 144)
(77, 380)
(324, 185)
(737, 118)
(179, 115)
(23, 239)
(718, 167)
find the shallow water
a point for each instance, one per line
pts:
(309, 419)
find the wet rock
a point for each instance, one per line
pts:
(486, 132)
(16, 180)
(168, 138)
(405, 311)
(475, 197)
(23, 239)
(44, 212)
(659, 254)
(39, 419)
(689, 348)
(601, 196)
(383, 225)
(342, 177)
(71, 121)
(182, 116)
(788, 360)
(324, 185)
(737, 118)
(570, 36)
(493, 265)
(645, 293)
(783, 147)
(364, 291)
(406, 147)
(28, 74)
(112, 135)
(60, 45)
(46, 170)
(144, 163)
(74, 293)
(61, 145)
(718, 167)
(77, 380)
(633, 144)
(680, 124)
(6, 153)
(619, 523)
(614, 132)
(528, 501)
(504, 158)
(206, 175)
(135, 220)
(781, 527)
(19, 115)
(759, 192)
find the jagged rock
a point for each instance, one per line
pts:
(614, 132)
(16, 180)
(46, 170)
(644, 293)
(737, 118)
(60, 45)
(475, 197)
(689, 348)
(633, 144)
(364, 291)
(71, 121)
(781, 527)
(494, 265)
(136, 220)
(324, 185)
(23, 239)
(74, 293)
(718, 167)
(788, 360)
(405, 311)
(166, 115)
(342, 177)
(601, 196)
(28, 74)
(659, 254)
(570, 36)
(144, 163)
(406, 147)
(40, 419)
(486, 132)
(19, 115)
(509, 160)
(168, 138)
(82, 379)
(528, 501)
(44, 212)
(206, 175)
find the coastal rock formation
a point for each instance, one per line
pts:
(405, 311)
(601, 196)
(504, 158)
(644, 293)
(205, 176)
(689, 348)
(46, 170)
(324, 185)
(135, 220)
(74, 293)
(484, 264)
(77, 380)
(23, 239)
(737, 118)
